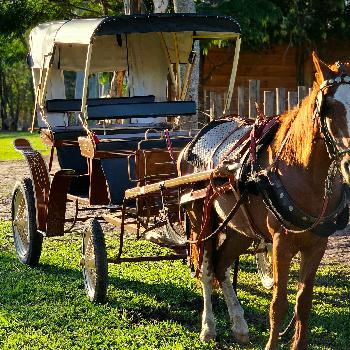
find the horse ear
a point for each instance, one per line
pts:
(323, 72)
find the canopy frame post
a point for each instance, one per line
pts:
(233, 76)
(42, 89)
(188, 73)
(86, 80)
(178, 73)
(167, 55)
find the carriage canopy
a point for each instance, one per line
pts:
(68, 40)
(148, 47)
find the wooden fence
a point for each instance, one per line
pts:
(272, 102)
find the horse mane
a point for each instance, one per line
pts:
(299, 123)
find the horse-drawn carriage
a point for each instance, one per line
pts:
(129, 172)
(109, 166)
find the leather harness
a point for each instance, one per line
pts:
(269, 185)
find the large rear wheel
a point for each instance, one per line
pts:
(264, 264)
(94, 262)
(28, 241)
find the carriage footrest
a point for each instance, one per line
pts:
(147, 258)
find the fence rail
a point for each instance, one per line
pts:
(272, 102)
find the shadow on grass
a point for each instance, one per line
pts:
(143, 301)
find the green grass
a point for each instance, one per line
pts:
(7, 151)
(150, 305)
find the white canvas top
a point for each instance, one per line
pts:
(68, 40)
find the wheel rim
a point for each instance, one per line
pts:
(20, 223)
(264, 265)
(89, 268)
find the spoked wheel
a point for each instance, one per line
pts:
(94, 262)
(28, 241)
(263, 261)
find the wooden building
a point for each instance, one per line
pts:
(274, 68)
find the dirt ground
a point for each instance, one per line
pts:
(338, 251)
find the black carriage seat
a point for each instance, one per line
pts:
(117, 169)
(69, 157)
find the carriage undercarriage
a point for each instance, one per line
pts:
(151, 212)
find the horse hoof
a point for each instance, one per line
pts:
(207, 335)
(242, 339)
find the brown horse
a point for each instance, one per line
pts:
(309, 152)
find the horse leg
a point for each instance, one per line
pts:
(229, 247)
(239, 325)
(310, 260)
(208, 331)
(281, 259)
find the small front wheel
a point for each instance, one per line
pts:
(94, 262)
(263, 261)
(28, 241)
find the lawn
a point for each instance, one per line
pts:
(150, 305)
(7, 151)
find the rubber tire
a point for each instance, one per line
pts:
(96, 289)
(264, 268)
(30, 254)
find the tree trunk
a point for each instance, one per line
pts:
(132, 6)
(105, 7)
(184, 6)
(160, 6)
(4, 101)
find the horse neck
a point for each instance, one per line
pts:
(318, 165)
(302, 152)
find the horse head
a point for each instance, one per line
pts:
(333, 108)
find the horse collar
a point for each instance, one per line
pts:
(281, 205)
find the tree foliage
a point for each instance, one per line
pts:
(17, 17)
(297, 22)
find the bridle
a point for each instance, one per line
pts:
(332, 149)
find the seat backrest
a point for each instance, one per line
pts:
(154, 164)
(141, 110)
(153, 160)
(74, 105)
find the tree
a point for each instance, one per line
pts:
(16, 94)
(302, 24)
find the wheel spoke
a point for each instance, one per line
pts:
(20, 221)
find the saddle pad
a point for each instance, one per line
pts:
(217, 141)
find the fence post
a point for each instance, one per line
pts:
(254, 96)
(280, 100)
(215, 105)
(269, 97)
(302, 93)
(241, 100)
(292, 99)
